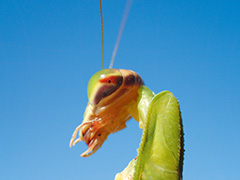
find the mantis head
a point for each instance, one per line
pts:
(112, 97)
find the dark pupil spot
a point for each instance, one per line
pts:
(109, 81)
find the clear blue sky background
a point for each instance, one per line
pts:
(50, 49)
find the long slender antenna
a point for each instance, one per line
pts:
(122, 25)
(102, 32)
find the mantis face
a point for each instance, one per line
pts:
(112, 97)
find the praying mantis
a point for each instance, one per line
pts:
(115, 96)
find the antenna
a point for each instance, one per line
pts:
(102, 32)
(122, 25)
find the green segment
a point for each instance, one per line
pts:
(159, 152)
(144, 101)
(160, 156)
(99, 75)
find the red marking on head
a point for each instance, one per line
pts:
(111, 79)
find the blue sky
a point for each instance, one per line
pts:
(50, 49)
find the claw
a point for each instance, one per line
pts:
(93, 147)
(87, 153)
(72, 142)
(74, 135)
(76, 141)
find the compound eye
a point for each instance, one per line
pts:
(109, 86)
(103, 84)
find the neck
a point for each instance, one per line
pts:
(140, 107)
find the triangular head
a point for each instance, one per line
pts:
(112, 95)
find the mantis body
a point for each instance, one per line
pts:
(116, 95)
